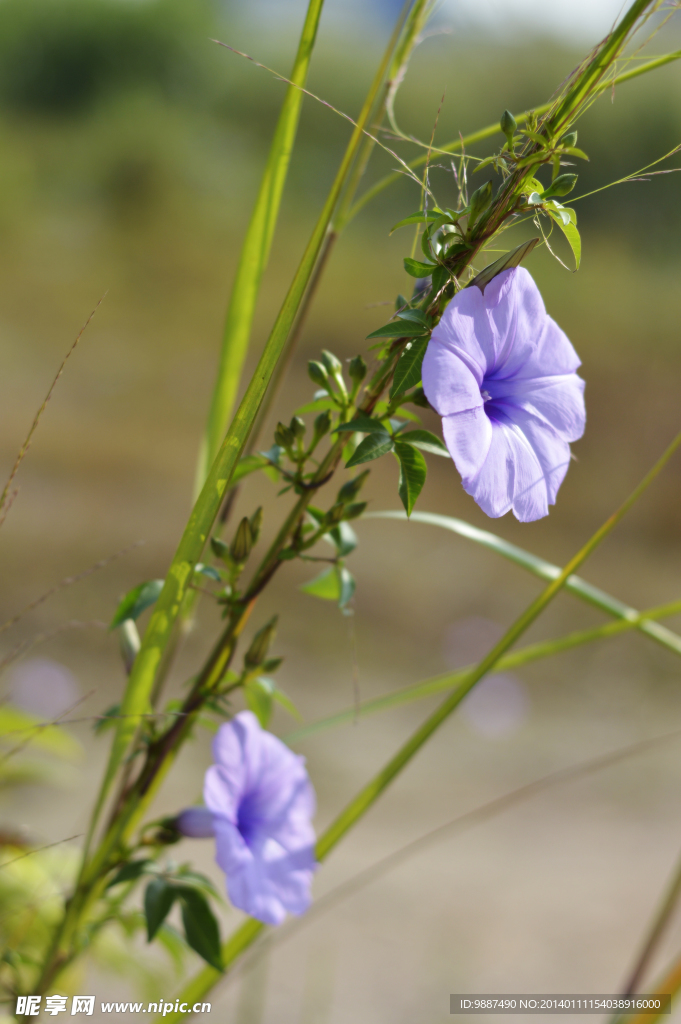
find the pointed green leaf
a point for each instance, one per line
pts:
(416, 315)
(416, 269)
(510, 259)
(200, 926)
(209, 571)
(426, 441)
(372, 447)
(158, 899)
(247, 465)
(417, 218)
(363, 425)
(136, 601)
(325, 586)
(344, 538)
(570, 231)
(408, 369)
(398, 329)
(129, 872)
(413, 471)
(286, 702)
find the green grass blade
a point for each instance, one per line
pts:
(544, 570)
(255, 251)
(449, 680)
(136, 701)
(491, 130)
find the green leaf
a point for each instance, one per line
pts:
(325, 586)
(408, 369)
(129, 872)
(413, 471)
(347, 586)
(426, 441)
(398, 329)
(416, 269)
(570, 231)
(209, 571)
(286, 702)
(319, 405)
(344, 539)
(510, 259)
(372, 447)
(441, 277)
(362, 425)
(200, 926)
(416, 315)
(159, 897)
(258, 696)
(418, 218)
(136, 601)
(573, 151)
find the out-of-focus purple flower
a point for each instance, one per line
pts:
(260, 801)
(501, 373)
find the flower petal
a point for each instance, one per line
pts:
(510, 477)
(557, 401)
(468, 436)
(449, 384)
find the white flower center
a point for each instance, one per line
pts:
(486, 397)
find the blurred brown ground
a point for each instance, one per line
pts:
(144, 197)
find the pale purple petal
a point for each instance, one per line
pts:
(557, 401)
(449, 392)
(468, 436)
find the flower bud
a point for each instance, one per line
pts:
(260, 644)
(256, 523)
(563, 184)
(194, 822)
(219, 549)
(243, 541)
(357, 370)
(317, 374)
(351, 488)
(297, 427)
(331, 362)
(508, 125)
(569, 140)
(283, 436)
(480, 200)
(322, 425)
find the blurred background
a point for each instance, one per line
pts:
(130, 151)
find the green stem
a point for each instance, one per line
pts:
(256, 250)
(655, 933)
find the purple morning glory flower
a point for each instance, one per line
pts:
(259, 806)
(501, 373)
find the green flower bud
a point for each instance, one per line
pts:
(480, 200)
(317, 374)
(283, 436)
(256, 523)
(569, 140)
(260, 644)
(322, 425)
(563, 184)
(332, 364)
(351, 488)
(297, 427)
(219, 548)
(357, 370)
(508, 125)
(243, 541)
